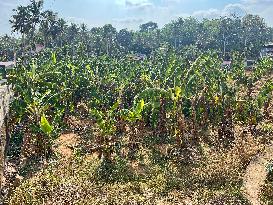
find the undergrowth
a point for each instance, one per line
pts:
(151, 178)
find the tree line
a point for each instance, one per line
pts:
(189, 36)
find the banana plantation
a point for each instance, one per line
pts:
(170, 115)
(164, 111)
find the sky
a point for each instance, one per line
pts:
(131, 13)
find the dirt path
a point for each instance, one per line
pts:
(256, 175)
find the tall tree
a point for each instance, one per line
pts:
(125, 39)
(255, 34)
(35, 10)
(48, 26)
(147, 27)
(171, 32)
(109, 35)
(25, 20)
(20, 23)
(62, 27)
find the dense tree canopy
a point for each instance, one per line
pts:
(225, 35)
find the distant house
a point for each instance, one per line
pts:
(137, 57)
(39, 48)
(249, 64)
(4, 66)
(226, 64)
(140, 56)
(267, 50)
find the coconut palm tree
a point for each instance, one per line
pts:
(62, 27)
(35, 15)
(25, 19)
(48, 26)
(21, 23)
(109, 35)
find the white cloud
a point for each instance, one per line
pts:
(263, 8)
(128, 20)
(210, 14)
(258, 1)
(138, 5)
(260, 7)
(237, 9)
(172, 1)
(129, 23)
(228, 10)
(124, 2)
(76, 20)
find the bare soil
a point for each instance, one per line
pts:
(256, 174)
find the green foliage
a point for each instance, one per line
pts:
(158, 92)
(187, 36)
(175, 93)
(45, 126)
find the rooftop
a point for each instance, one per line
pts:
(269, 45)
(7, 64)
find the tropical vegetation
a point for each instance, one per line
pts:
(174, 126)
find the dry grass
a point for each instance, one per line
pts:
(267, 190)
(147, 180)
(75, 183)
(214, 177)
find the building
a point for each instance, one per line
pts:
(137, 57)
(4, 67)
(267, 50)
(226, 63)
(39, 48)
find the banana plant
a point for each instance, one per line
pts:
(265, 96)
(107, 121)
(46, 140)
